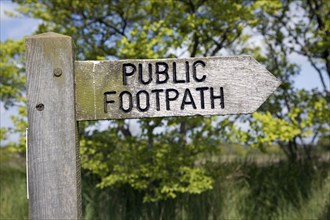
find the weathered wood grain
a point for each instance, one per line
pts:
(245, 84)
(54, 166)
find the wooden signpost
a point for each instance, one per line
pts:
(53, 152)
(62, 92)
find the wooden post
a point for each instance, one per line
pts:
(54, 164)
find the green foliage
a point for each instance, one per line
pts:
(309, 114)
(20, 126)
(292, 118)
(163, 160)
(12, 77)
(3, 134)
(275, 129)
(12, 80)
(155, 37)
(156, 164)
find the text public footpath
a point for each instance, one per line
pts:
(161, 73)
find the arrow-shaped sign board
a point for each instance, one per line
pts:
(170, 87)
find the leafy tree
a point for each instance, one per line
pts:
(161, 163)
(12, 72)
(295, 113)
(165, 156)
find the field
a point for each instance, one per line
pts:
(13, 202)
(244, 188)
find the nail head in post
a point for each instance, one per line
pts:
(40, 107)
(57, 72)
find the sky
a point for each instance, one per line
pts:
(13, 28)
(19, 27)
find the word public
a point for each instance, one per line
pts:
(157, 76)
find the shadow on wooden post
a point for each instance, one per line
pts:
(53, 151)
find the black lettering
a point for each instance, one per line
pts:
(175, 80)
(201, 90)
(168, 98)
(138, 104)
(212, 97)
(161, 72)
(187, 95)
(130, 101)
(125, 73)
(187, 72)
(197, 63)
(106, 101)
(141, 80)
(157, 91)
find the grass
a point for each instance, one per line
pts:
(243, 189)
(13, 202)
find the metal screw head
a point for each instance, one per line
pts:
(57, 72)
(40, 107)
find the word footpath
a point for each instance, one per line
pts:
(170, 87)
